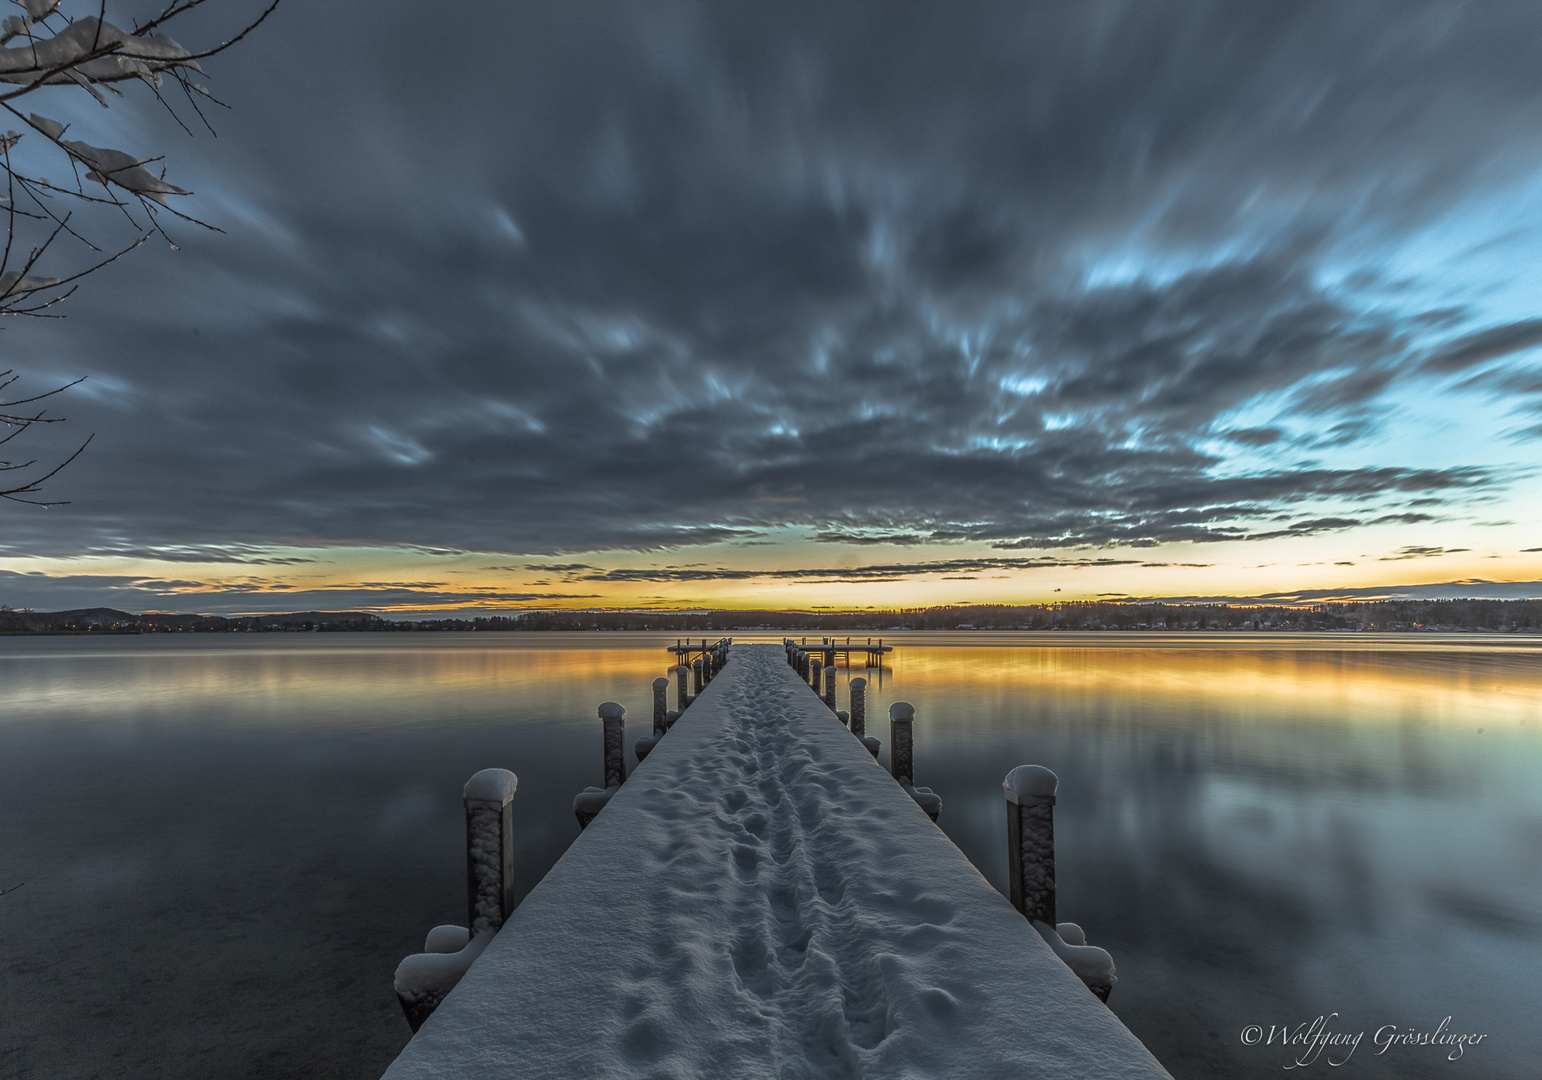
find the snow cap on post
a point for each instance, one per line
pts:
(447, 939)
(661, 683)
(1092, 965)
(610, 710)
(903, 710)
(491, 785)
(1030, 782)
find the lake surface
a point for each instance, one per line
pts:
(229, 841)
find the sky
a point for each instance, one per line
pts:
(808, 305)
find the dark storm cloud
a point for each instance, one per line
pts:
(1420, 551)
(1254, 436)
(237, 554)
(1338, 524)
(67, 592)
(1463, 588)
(877, 572)
(580, 277)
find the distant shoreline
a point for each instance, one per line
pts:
(1454, 631)
(1465, 616)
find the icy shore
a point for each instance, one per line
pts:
(760, 899)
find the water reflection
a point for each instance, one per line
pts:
(229, 841)
(1262, 833)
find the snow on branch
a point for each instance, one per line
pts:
(88, 49)
(51, 47)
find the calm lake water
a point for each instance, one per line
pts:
(229, 841)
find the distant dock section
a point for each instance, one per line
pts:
(830, 648)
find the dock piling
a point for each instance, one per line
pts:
(830, 685)
(590, 801)
(815, 666)
(1030, 792)
(488, 797)
(682, 697)
(424, 979)
(660, 705)
(902, 761)
(901, 756)
(644, 746)
(859, 716)
(614, 717)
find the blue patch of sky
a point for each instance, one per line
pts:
(1481, 254)
(1024, 385)
(996, 442)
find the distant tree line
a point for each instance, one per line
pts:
(1503, 616)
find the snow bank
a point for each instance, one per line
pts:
(761, 899)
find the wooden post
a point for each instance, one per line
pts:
(488, 796)
(590, 801)
(814, 668)
(697, 682)
(901, 756)
(830, 686)
(660, 705)
(1030, 792)
(614, 717)
(682, 699)
(859, 716)
(644, 746)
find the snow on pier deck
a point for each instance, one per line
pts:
(761, 899)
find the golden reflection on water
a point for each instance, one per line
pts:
(1384, 686)
(1166, 679)
(334, 678)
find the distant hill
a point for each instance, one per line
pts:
(111, 620)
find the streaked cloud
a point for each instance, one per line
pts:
(590, 284)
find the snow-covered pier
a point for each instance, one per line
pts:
(761, 899)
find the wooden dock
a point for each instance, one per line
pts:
(761, 899)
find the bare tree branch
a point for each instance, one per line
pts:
(87, 53)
